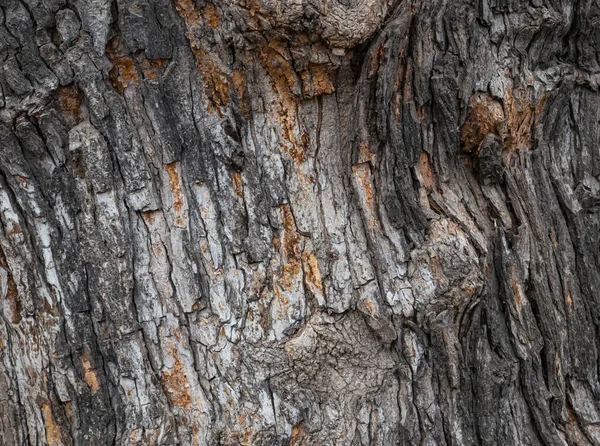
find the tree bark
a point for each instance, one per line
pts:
(295, 222)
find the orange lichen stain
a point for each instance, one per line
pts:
(483, 118)
(362, 172)
(216, 84)
(364, 153)
(175, 382)
(511, 121)
(426, 171)
(22, 180)
(149, 216)
(175, 185)
(316, 81)
(70, 100)
(284, 82)
(517, 294)
(299, 435)
(237, 183)
(312, 272)
(123, 71)
(52, 430)
(570, 302)
(89, 375)
(245, 435)
(136, 436)
(188, 11)
(153, 67)
(211, 15)
(179, 222)
(554, 239)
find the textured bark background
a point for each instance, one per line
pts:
(303, 222)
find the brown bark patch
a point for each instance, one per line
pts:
(570, 302)
(52, 430)
(70, 101)
(426, 171)
(89, 374)
(299, 435)
(212, 15)
(519, 120)
(152, 68)
(176, 382)
(188, 11)
(175, 186)
(216, 85)
(312, 272)
(483, 118)
(284, 82)
(237, 183)
(511, 121)
(316, 81)
(124, 70)
(362, 172)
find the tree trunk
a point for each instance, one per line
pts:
(295, 222)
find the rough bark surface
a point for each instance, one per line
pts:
(301, 222)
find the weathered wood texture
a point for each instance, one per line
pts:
(303, 222)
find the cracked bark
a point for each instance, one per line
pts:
(299, 222)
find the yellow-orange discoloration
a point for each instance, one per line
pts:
(216, 85)
(212, 15)
(513, 122)
(312, 272)
(426, 171)
(188, 11)
(237, 183)
(153, 67)
(517, 294)
(175, 185)
(123, 71)
(316, 81)
(175, 382)
(149, 216)
(362, 172)
(483, 118)
(369, 307)
(284, 82)
(570, 302)
(299, 435)
(365, 155)
(89, 375)
(52, 430)
(554, 239)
